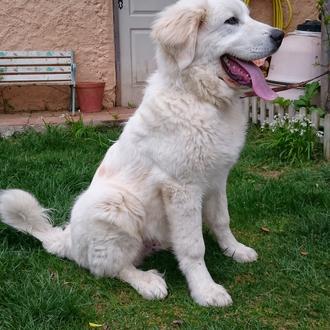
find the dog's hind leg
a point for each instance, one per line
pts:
(149, 284)
(114, 254)
(114, 242)
(216, 215)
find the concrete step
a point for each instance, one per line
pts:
(17, 122)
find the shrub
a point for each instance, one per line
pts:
(306, 101)
(292, 140)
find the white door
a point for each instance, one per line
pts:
(135, 46)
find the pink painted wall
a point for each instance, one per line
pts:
(302, 10)
(85, 26)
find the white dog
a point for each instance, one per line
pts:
(168, 170)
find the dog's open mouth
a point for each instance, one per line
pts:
(247, 74)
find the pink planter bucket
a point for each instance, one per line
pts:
(90, 96)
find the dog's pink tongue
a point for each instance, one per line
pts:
(259, 83)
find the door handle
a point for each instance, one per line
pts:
(120, 4)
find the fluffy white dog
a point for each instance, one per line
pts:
(168, 170)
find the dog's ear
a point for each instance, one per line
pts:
(176, 31)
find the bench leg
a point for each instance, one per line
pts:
(73, 99)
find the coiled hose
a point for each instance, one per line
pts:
(278, 13)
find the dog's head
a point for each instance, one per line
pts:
(219, 35)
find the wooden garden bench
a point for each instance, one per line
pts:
(39, 68)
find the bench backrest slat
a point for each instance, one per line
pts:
(29, 53)
(34, 69)
(35, 61)
(36, 77)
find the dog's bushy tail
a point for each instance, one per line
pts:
(21, 210)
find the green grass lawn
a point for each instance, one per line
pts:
(281, 210)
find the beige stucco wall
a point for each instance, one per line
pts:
(85, 26)
(262, 10)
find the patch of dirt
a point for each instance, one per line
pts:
(244, 278)
(272, 174)
(269, 174)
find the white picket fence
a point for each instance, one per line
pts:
(260, 111)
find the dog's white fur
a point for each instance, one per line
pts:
(171, 163)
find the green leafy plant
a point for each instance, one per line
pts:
(282, 102)
(89, 132)
(293, 140)
(306, 100)
(131, 105)
(115, 116)
(78, 127)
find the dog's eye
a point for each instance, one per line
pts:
(232, 21)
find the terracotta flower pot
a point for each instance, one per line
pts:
(90, 96)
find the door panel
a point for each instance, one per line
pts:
(137, 51)
(142, 64)
(148, 7)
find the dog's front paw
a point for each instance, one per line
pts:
(212, 295)
(152, 286)
(241, 253)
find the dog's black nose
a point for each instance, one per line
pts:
(277, 36)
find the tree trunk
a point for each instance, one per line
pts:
(325, 60)
(325, 83)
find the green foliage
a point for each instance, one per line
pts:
(295, 140)
(311, 90)
(79, 129)
(131, 105)
(292, 140)
(306, 100)
(282, 102)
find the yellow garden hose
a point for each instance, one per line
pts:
(278, 13)
(290, 14)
